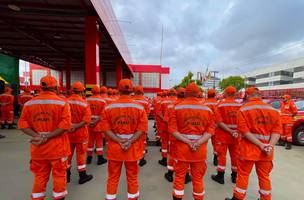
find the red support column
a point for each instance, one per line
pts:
(118, 71)
(68, 74)
(92, 69)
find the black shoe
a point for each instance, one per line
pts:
(3, 126)
(101, 160)
(163, 162)
(175, 198)
(158, 143)
(233, 177)
(2, 136)
(280, 143)
(219, 177)
(89, 159)
(142, 162)
(233, 198)
(84, 177)
(11, 126)
(215, 160)
(62, 199)
(188, 178)
(169, 176)
(288, 146)
(68, 175)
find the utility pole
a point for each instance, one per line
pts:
(161, 45)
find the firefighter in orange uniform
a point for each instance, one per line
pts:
(211, 102)
(156, 106)
(24, 97)
(226, 135)
(260, 127)
(288, 111)
(7, 108)
(170, 100)
(46, 118)
(192, 124)
(97, 105)
(124, 123)
(78, 134)
(141, 99)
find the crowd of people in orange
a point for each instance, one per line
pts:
(185, 120)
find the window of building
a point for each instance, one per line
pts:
(262, 84)
(250, 78)
(37, 74)
(262, 76)
(298, 80)
(135, 79)
(150, 80)
(299, 69)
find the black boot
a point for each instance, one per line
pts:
(89, 159)
(169, 176)
(233, 177)
(68, 175)
(175, 198)
(2, 136)
(219, 177)
(10, 126)
(280, 143)
(158, 143)
(62, 199)
(3, 126)
(214, 159)
(288, 146)
(233, 198)
(163, 162)
(188, 178)
(101, 160)
(84, 177)
(142, 162)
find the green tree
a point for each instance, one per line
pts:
(235, 81)
(188, 79)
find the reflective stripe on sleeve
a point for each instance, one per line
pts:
(164, 150)
(132, 196)
(96, 99)
(90, 149)
(170, 167)
(179, 192)
(125, 136)
(197, 107)
(38, 195)
(192, 137)
(124, 105)
(141, 101)
(263, 107)
(110, 196)
(229, 104)
(44, 102)
(74, 102)
(239, 190)
(99, 149)
(59, 194)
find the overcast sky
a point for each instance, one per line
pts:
(231, 36)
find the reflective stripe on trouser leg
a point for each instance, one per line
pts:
(181, 169)
(233, 151)
(41, 170)
(171, 163)
(164, 144)
(132, 170)
(198, 170)
(81, 149)
(287, 132)
(59, 168)
(114, 171)
(221, 157)
(244, 170)
(263, 169)
(91, 143)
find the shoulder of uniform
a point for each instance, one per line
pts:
(124, 105)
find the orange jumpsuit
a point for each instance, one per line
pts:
(97, 104)
(7, 108)
(212, 104)
(262, 120)
(164, 126)
(227, 113)
(288, 110)
(80, 111)
(191, 119)
(23, 98)
(44, 114)
(157, 105)
(124, 118)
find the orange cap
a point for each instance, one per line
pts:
(103, 89)
(230, 90)
(181, 91)
(172, 91)
(287, 96)
(110, 91)
(78, 86)
(251, 90)
(192, 88)
(27, 89)
(138, 89)
(211, 92)
(95, 89)
(125, 85)
(48, 81)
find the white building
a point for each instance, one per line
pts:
(288, 75)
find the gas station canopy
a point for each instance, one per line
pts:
(52, 32)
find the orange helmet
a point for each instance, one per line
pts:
(48, 81)
(287, 96)
(192, 89)
(110, 91)
(251, 90)
(78, 86)
(138, 89)
(125, 85)
(103, 89)
(211, 92)
(95, 90)
(230, 90)
(181, 91)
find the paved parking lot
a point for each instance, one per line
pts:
(16, 180)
